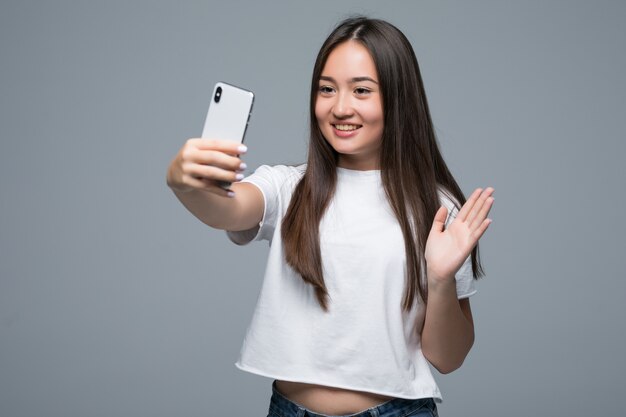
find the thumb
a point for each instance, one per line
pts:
(440, 220)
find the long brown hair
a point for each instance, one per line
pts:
(412, 168)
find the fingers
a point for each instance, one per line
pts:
(475, 211)
(478, 220)
(469, 204)
(213, 158)
(482, 227)
(217, 153)
(211, 173)
(204, 163)
(480, 208)
(226, 146)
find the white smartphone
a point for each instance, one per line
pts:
(228, 115)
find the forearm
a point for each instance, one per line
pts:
(209, 208)
(448, 332)
(194, 176)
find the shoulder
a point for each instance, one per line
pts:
(278, 174)
(276, 181)
(276, 184)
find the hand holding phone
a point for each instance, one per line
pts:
(212, 162)
(228, 115)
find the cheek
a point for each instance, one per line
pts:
(373, 114)
(320, 110)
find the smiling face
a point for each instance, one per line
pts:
(349, 108)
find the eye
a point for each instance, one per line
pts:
(326, 89)
(361, 91)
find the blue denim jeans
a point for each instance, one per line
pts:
(281, 406)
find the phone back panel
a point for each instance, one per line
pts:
(228, 118)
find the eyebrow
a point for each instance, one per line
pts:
(352, 80)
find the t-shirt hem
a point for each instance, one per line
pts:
(467, 295)
(435, 395)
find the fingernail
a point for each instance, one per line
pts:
(243, 166)
(230, 194)
(239, 177)
(242, 148)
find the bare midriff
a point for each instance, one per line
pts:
(329, 400)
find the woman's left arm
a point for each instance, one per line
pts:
(448, 332)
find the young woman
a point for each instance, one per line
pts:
(373, 245)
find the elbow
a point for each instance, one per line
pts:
(447, 362)
(447, 368)
(444, 365)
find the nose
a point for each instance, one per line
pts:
(343, 106)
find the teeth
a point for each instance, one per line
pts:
(346, 127)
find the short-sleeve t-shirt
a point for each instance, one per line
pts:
(365, 342)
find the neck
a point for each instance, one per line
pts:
(356, 164)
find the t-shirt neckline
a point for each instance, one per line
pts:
(354, 173)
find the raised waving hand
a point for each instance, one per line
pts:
(447, 248)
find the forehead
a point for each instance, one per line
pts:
(348, 60)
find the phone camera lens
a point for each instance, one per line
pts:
(218, 94)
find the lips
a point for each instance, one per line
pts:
(346, 127)
(345, 130)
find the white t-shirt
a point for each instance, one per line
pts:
(365, 342)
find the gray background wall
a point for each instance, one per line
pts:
(115, 301)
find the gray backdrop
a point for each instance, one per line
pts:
(115, 301)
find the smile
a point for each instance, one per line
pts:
(346, 128)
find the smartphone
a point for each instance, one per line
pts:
(228, 115)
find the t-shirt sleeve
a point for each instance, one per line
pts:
(270, 181)
(464, 277)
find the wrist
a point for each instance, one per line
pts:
(439, 282)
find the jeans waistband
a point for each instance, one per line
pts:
(391, 408)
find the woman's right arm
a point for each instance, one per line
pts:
(194, 173)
